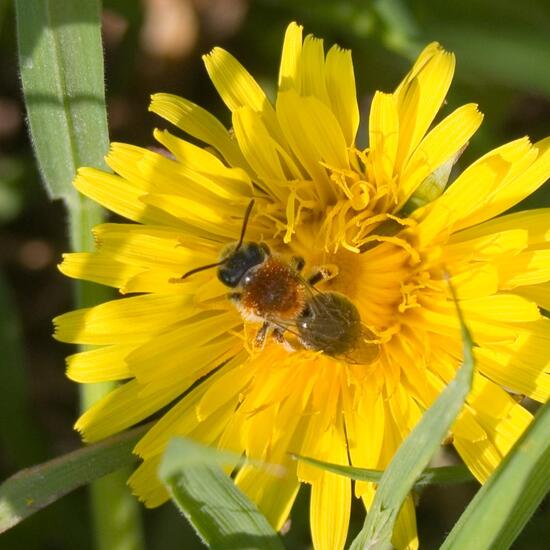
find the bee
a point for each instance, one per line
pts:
(269, 290)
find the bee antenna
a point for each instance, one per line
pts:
(239, 244)
(245, 223)
(201, 268)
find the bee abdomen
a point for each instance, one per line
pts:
(330, 323)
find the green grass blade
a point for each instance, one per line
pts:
(502, 507)
(220, 513)
(61, 63)
(443, 475)
(34, 488)
(414, 454)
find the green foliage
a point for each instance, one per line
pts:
(414, 454)
(442, 475)
(502, 507)
(221, 514)
(34, 488)
(61, 63)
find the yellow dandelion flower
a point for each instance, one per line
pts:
(357, 217)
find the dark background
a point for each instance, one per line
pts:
(503, 63)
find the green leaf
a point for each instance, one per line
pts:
(220, 513)
(33, 488)
(414, 454)
(502, 507)
(61, 63)
(443, 475)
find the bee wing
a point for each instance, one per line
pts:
(285, 325)
(329, 313)
(365, 351)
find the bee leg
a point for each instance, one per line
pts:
(259, 341)
(297, 263)
(278, 334)
(323, 273)
(317, 277)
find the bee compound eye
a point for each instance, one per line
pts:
(229, 277)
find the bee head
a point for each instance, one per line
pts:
(237, 260)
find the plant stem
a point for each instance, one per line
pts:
(115, 512)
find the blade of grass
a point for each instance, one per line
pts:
(221, 514)
(414, 454)
(61, 63)
(443, 475)
(502, 507)
(34, 488)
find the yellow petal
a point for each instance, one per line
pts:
(203, 215)
(162, 281)
(340, 79)
(146, 485)
(511, 369)
(198, 123)
(315, 136)
(216, 394)
(464, 247)
(405, 536)
(273, 493)
(234, 83)
(227, 181)
(330, 502)
(98, 268)
(420, 96)
(238, 89)
(120, 196)
(261, 151)
(481, 180)
(126, 321)
(146, 246)
(536, 223)
(502, 419)
(312, 69)
(383, 135)
(524, 181)
(540, 294)
(177, 352)
(440, 319)
(441, 144)
(290, 58)
(527, 268)
(180, 419)
(365, 429)
(479, 453)
(99, 365)
(122, 408)
(501, 307)
(157, 173)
